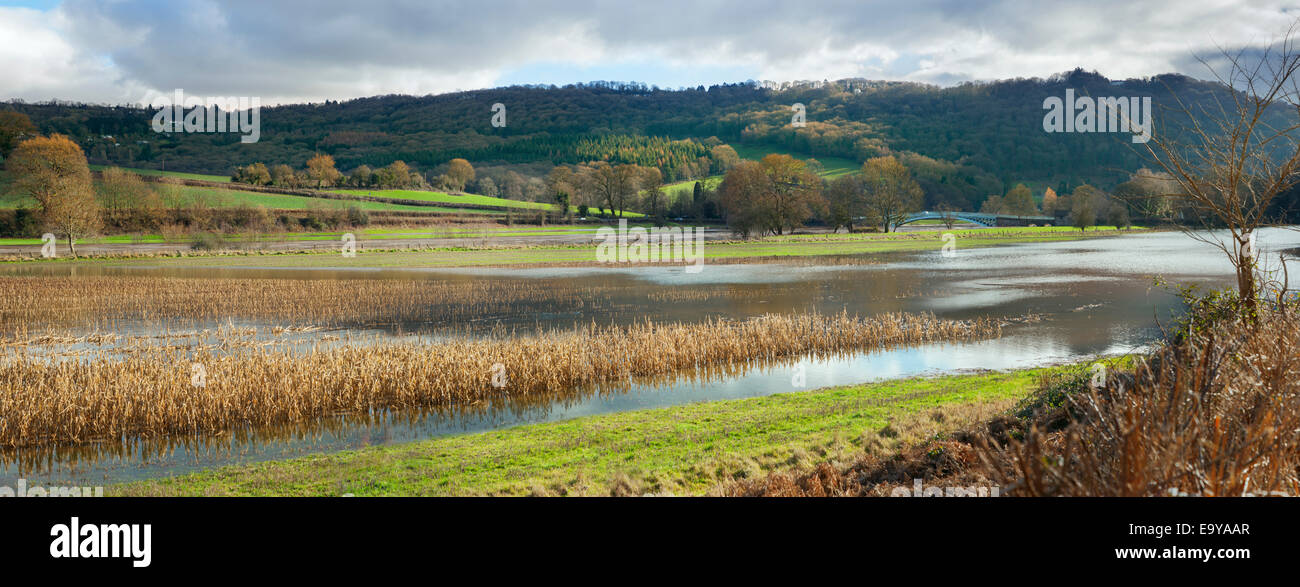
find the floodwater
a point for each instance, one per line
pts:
(1064, 301)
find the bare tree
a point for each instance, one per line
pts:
(947, 214)
(1232, 154)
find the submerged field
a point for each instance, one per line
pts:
(489, 254)
(146, 388)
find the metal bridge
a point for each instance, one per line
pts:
(981, 218)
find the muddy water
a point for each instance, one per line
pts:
(1069, 301)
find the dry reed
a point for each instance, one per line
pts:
(150, 393)
(1215, 414)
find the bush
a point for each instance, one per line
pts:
(357, 216)
(207, 241)
(21, 223)
(311, 221)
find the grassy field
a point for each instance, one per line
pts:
(467, 199)
(229, 198)
(687, 188)
(832, 167)
(223, 198)
(159, 173)
(686, 449)
(452, 199)
(785, 246)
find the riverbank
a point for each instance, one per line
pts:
(691, 449)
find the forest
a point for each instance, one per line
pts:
(962, 144)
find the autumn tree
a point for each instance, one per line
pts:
(724, 157)
(361, 177)
(795, 193)
(774, 195)
(891, 193)
(53, 171)
(320, 169)
(282, 175)
(994, 204)
(1087, 203)
(254, 174)
(459, 174)
(741, 194)
(1049, 202)
(396, 175)
(846, 202)
(1019, 202)
(1151, 193)
(652, 182)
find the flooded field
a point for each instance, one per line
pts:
(1057, 302)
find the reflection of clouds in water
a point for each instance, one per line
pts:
(1141, 254)
(977, 299)
(1171, 253)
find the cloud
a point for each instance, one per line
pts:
(103, 50)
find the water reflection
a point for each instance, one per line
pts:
(1090, 297)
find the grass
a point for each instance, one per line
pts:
(160, 173)
(687, 449)
(832, 167)
(687, 188)
(229, 198)
(446, 198)
(468, 199)
(223, 198)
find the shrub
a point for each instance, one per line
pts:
(207, 241)
(357, 216)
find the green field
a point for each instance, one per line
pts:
(223, 198)
(467, 199)
(832, 167)
(230, 198)
(445, 198)
(159, 173)
(685, 449)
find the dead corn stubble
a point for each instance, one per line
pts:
(151, 393)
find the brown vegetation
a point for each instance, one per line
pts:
(150, 391)
(1214, 412)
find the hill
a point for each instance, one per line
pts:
(962, 142)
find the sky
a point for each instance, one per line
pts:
(125, 51)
